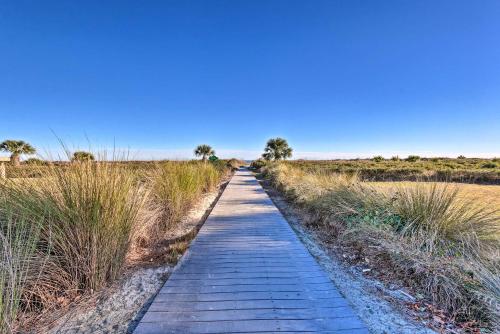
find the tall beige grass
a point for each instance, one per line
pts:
(176, 186)
(428, 236)
(88, 212)
(69, 230)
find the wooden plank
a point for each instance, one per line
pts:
(243, 281)
(246, 288)
(246, 304)
(252, 326)
(260, 295)
(250, 314)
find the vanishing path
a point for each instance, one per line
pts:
(247, 272)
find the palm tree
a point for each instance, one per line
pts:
(81, 156)
(277, 149)
(204, 151)
(16, 148)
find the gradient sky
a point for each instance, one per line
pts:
(337, 78)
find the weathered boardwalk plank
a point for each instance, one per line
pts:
(247, 272)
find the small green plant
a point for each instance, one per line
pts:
(461, 157)
(395, 158)
(378, 158)
(213, 158)
(413, 158)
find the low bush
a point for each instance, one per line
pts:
(258, 164)
(35, 161)
(378, 158)
(234, 164)
(413, 158)
(489, 165)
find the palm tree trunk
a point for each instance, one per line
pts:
(2, 171)
(14, 160)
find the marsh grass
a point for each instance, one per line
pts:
(428, 236)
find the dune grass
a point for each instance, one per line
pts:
(88, 214)
(177, 185)
(174, 188)
(430, 237)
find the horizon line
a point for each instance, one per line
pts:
(185, 154)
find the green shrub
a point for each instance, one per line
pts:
(489, 165)
(35, 161)
(413, 158)
(234, 164)
(378, 158)
(82, 156)
(461, 157)
(258, 164)
(395, 158)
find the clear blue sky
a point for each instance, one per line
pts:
(336, 78)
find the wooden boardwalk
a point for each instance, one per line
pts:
(247, 272)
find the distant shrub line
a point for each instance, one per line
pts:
(480, 171)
